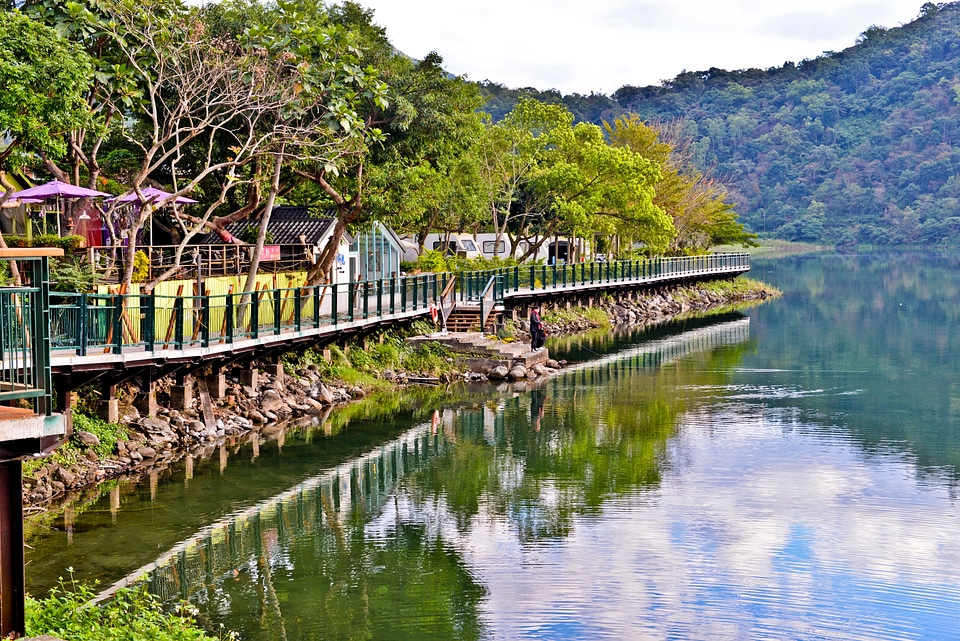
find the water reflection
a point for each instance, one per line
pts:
(763, 476)
(308, 553)
(878, 334)
(358, 540)
(125, 526)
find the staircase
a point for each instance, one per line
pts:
(464, 319)
(479, 345)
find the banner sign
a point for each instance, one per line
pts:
(270, 252)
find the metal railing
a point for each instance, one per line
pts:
(208, 260)
(24, 337)
(112, 322)
(490, 296)
(85, 323)
(448, 300)
(533, 278)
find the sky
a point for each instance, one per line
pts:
(600, 45)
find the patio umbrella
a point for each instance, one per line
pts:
(153, 195)
(58, 190)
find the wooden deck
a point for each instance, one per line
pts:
(117, 332)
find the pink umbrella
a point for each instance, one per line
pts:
(57, 189)
(152, 194)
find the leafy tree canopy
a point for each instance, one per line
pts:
(856, 146)
(44, 79)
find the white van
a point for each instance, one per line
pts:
(487, 242)
(462, 245)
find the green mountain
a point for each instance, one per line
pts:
(857, 146)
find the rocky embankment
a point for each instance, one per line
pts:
(156, 441)
(516, 372)
(655, 308)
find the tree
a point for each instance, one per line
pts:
(547, 176)
(416, 127)
(213, 105)
(590, 187)
(697, 203)
(425, 174)
(42, 83)
(511, 152)
(44, 78)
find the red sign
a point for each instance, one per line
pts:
(270, 252)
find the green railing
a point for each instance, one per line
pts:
(105, 323)
(24, 326)
(532, 278)
(87, 323)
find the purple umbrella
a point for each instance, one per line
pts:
(152, 194)
(57, 189)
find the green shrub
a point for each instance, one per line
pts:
(432, 261)
(421, 327)
(388, 355)
(72, 276)
(108, 433)
(69, 244)
(360, 359)
(141, 267)
(132, 615)
(428, 358)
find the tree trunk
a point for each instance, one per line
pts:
(251, 281)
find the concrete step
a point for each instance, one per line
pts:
(478, 343)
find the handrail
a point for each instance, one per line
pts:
(210, 260)
(448, 300)
(112, 322)
(151, 322)
(532, 278)
(488, 298)
(24, 332)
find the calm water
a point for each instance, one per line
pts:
(786, 473)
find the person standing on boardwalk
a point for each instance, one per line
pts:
(538, 336)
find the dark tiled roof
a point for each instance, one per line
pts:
(287, 224)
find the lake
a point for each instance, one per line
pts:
(786, 472)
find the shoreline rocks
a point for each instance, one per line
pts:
(155, 442)
(651, 309)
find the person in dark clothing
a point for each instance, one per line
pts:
(538, 336)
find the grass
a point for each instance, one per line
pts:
(737, 286)
(68, 453)
(364, 366)
(594, 315)
(132, 615)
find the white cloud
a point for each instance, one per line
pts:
(759, 528)
(604, 44)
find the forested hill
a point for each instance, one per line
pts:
(857, 146)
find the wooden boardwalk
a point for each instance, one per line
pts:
(114, 332)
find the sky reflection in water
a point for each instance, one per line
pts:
(762, 528)
(792, 477)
